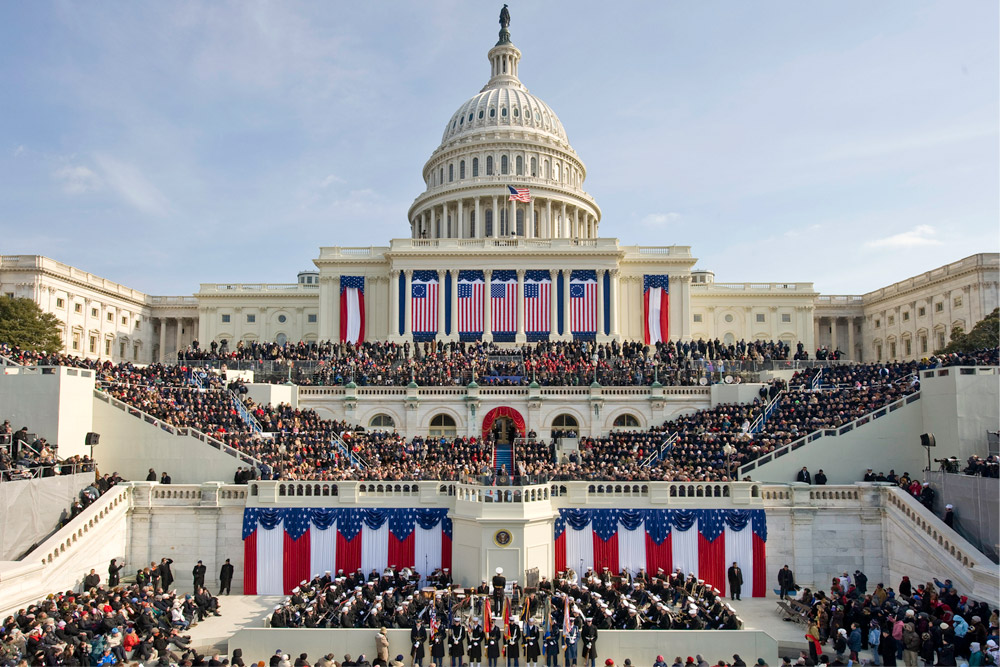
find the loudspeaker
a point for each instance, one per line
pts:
(928, 440)
(92, 439)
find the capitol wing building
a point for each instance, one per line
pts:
(504, 246)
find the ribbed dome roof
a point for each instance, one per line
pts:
(507, 105)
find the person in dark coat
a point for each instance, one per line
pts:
(513, 645)
(92, 580)
(166, 576)
(165, 478)
(588, 639)
(786, 581)
(861, 582)
(418, 637)
(476, 639)
(437, 648)
(151, 477)
(198, 572)
(532, 642)
(551, 646)
(493, 645)
(113, 569)
(949, 515)
(456, 643)
(735, 576)
(821, 477)
(887, 649)
(226, 577)
(804, 476)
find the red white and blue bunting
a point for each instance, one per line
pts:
(282, 547)
(700, 542)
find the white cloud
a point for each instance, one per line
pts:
(660, 219)
(919, 236)
(332, 179)
(18, 151)
(77, 180)
(129, 183)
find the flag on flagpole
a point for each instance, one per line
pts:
(487, 616)
(352, 309)
(656, 308)
(506, 617)
(519, 194)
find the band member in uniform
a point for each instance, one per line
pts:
(532, 643)
(437, 648)
(499, 585)
(418, 637)
(456, 643)
(513, 644)
(571, 636)
(588, 636)
(476, 639)
(551, 646)
(493, 644)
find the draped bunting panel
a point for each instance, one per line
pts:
(699, 542)
(282, 547)
(503, 411)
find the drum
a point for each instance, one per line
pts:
(427, 592)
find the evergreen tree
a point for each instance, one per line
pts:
(986, 334)
(23, 323)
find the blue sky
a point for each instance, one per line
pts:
(164, 144)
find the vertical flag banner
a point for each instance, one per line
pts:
(503, 303)
(537, 304)
(656, 308)
(471, 287)
(699, 542)
(281, 547)
(583, 302)
(424, 290)
(352, 309)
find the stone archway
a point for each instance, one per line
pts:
(503, 412)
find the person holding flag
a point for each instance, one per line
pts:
(571, 637)
(532, 642)
(437, 645)
(418, 637)
(493, 644)
(513, 643)
(551, 646)
(456, 643)
(476, 638)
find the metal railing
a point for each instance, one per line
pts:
(665, 448)
(245, 414)
(840, 430)
(345, 449)
(47, 470)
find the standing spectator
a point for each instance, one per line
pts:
(226, 577)
(786, 581)
(381, 645)
(854, 641)
(113, 569)
(949, 515)
(198, 572)
(861, 582)
(166, 576)
(821, 477)
(92, 580)
(151, 477)
(804, 476)
(164, 478)
(735, 576)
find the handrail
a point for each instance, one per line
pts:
(7, 361)
(34, 472)
(769, 406)
(245, 414)
(817, 380)
(177, 430)
(839, 430)
(665, 447)
(345, 449)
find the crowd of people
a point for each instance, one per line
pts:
(108, 624)
(24, 455)
(919, 624)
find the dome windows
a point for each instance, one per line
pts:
(461, 121)
(489, 165)
(475, 167)
(504, 166)
(461, 169)
(480, 114)
(470, 116)
(515, 112)
(493, 113)
(519, 165)
(451, 173)
(503, 112)
(534, 167)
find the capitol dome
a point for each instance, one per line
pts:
(502, 142)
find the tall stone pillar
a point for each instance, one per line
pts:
(460, 215)
(685, 282)
(563, 223)
(334, 304)
(408, 305)
(567, 313)
(520, 337)
(163, 340)
(601, 336)
(851, 354)
(549, 232)
(512, 219)
(477, 227)
(496, 218)
(441, 305)
(453, 334)
(833, 333)
(554, 304)
(394, 304)
(615, 303)
(487, 305)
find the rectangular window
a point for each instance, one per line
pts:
(138, 323)
(121, 350)
(906, 347)
(77, 307)
(892, 320)
(76, 341)
(940, 338)
(135, 353)
(906, 316)
(93, 343)
(921, 311)
(892, 350)
(878, 324)
(923, 344)
(251, 319)
(939, 307)
(957, 301)
(60, 303)
(111, 317)
(225, 319)
(107, 347)
(760, 317)
(93, 312)
(697, 318)
(311, 318)
(786, 318)
(10, 295)
(125, 322)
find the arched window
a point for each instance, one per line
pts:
(281, 339)
(519, 165)
(475, 167)
(451, 173)
(461, 169)
(504, 167)
(489, 165)
(504, 230)
(441, 176)
(443, 426)
(545, 168)
(565, 422)
(472, 224)
(520, 222)
(534, 167)
(382, 420)
(555, 171)
(626, 421)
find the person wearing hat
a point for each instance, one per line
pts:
(532, 643)
(571, 637)
(494, 643)
(499, 587)
(198, 572)
(418, 637)
(456, 642)
(476, 638)
(437, 647)
(382, 646)
(512, 644)
(226, 578)
(588, 637)
(735, 577)
(949, 515)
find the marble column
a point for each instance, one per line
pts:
(393, 304)
(567, 312)
(615, 303)
(512, 219)
(460, 216)
(453, 334)
(441, 305)
(548, 222)
(601, 337)
(563, 224)
(478, 224)
(408, 305)
(554, 305)
(850, 339)
(487, 310)
(833, 333)
(496, 218)
(334, 305)
(163, 340)
(520, 337)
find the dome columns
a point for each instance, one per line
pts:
(497, 216)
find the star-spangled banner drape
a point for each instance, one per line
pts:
(537, 303)
(701, 542)
(656, 308)
(352, 309)
(424, 294)
(471, 286)
(282, 547)
(583, 301)
(503, 301)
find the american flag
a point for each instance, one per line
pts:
(424, 288)
(583, 301)
(519, 194)
(537, 301)
(503, 301)
(471, 286)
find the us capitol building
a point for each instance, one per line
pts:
(505, 213)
